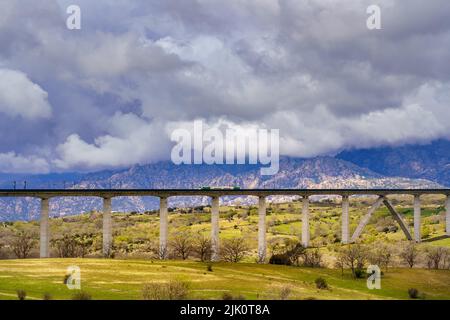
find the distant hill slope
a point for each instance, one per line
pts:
(430, 161)
(320, 172)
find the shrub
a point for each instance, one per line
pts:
(312, 258)
(21, 294)
(81, 296)
(285, 292)
(321, 283)
(66, 246)
(66, 278)
(359, 273)
(227, 296)
(47, 296)
(413, 293)
(172, 290)
(293, 250)
(73, 245)
(280, 259)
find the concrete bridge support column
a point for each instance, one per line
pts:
(417, 213)
(163, 228)
(305, 221)
(45, 230)
(107, 227)
(215, 229)
(447, 215)
(262, 244)
(345, 220)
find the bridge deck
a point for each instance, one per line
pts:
(110, 193)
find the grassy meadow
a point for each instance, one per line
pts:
(124, 279)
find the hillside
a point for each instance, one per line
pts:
(137, 235)
(320, 172)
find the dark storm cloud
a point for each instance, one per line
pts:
(109, 94)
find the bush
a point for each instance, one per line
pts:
(47, 296)
(73, 245)
(321, 283)
(413, 293)
(293, 250)
(359, 273)
(21, 294)
(229, 296)
(280, 259)
(312, 258)
(81, 296)
(66, 278)
(285, 292)
(172, 290)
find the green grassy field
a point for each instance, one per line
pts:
(124, 279)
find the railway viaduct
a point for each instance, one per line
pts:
(215, 194)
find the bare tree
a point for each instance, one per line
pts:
(312, 258)
(410, 254)
(234, 250)
(354, 256)
(84, 243)
(340, 263)
(182, 245)
(381, 255)
(22, 242)
(436, 255)
(66, 246)
(203, 247)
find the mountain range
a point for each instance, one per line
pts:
(350, 169)
(428, 161)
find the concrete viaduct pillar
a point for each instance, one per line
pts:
(44, 230)
(417, 214)
(305, 222)
(262, 244)
(447, 215)
(345, 220)
(163, 228)
(215, 229)
(107, 227)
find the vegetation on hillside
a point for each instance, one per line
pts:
(136, 234)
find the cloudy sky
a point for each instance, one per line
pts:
(109, 95)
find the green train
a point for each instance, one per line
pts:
(221, 188)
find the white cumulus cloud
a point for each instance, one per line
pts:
(19, 96)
